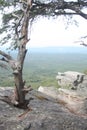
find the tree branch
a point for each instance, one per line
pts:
(65, 13)
(75, 8)
(3, 59)
(3, 66)
(39, 8)
(84, 44)
(7, 58)
(81, 43)
(6, 55)
(17, 24)
(84, 37)
(15, 16)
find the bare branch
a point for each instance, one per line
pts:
(79, 12)
(75, 7)
(13, 63)
(23, 1)
(17, 24)
(84, 44)
(4, 66)
(83, 37)
(6, 55)
(15, 16)
(39, 8)
(81, 43)
(4, 59)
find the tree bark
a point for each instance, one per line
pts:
(17, 65)
(19, 83)
(18, 76)
(19, 86)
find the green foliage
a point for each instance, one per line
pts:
(85, 71)
(7, 29)
(39, 73)
(40, 69)
(7, 3)
(1, 2)
(41, 8)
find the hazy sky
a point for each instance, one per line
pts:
(51, 32)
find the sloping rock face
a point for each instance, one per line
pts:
(45, 114)
(74, 100)
(72, 79)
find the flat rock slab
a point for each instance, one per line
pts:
(74, 100)
(46, 114)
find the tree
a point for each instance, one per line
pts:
(21, 41)
(17, 21)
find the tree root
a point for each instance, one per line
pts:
(13, 100)
(21, 116)
(14, 103)
(8, 100)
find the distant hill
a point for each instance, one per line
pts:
(68, 49)
(59, 50)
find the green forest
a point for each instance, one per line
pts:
(40, 69)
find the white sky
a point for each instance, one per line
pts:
(51, 32)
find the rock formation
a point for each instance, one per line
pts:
(72, 79)
(44, 113)
(72, 92)
(49, 108)
(74, 101)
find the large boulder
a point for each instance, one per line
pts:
(72, 79)
(50, 91)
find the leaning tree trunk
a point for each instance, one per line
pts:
(19, 94)
(23, 40)
(21, 31)
(18, 79)
(17, 72)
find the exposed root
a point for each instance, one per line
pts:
(13, 99)
(21, 116)
(8, 100)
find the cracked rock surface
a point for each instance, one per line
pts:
(45, 114)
